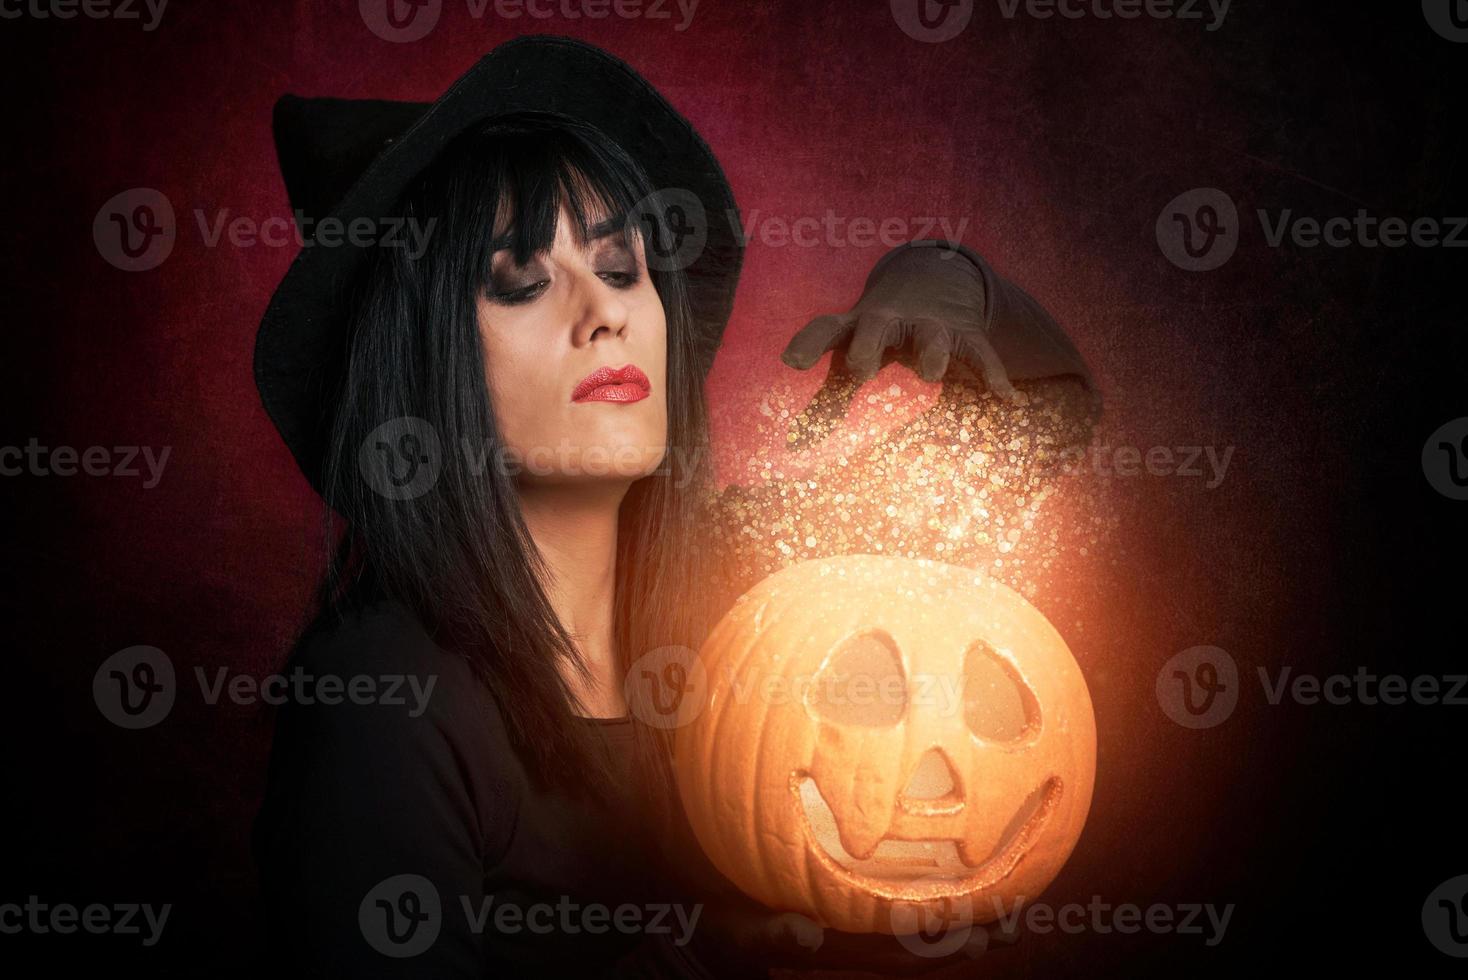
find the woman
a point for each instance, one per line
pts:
(509, 425)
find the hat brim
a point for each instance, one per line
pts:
(301, 343)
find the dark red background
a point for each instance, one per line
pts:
(1060, 141)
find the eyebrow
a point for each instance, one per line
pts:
(611, 226)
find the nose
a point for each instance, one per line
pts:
(932, 789)
(600, 312)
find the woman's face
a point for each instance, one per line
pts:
(547, 327)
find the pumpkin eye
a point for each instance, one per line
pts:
(997, 705)
(861, 683)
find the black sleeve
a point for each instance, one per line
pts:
(378, 817)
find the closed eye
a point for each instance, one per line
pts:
(514, 297)
(621, 280)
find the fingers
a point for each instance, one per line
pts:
(758, 931)
(814, 339)
(791, 932)
(934, 344)
(870, 340)
(976, 350)
(874, 333)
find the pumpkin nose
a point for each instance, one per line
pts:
(932, 789)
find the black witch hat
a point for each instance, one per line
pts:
(351, 159)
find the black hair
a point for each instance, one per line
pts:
(460, 556)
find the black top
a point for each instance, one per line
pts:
(407, 839)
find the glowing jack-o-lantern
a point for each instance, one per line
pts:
(881, 737)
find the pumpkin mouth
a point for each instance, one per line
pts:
(938, 865)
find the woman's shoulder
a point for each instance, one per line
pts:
(389, 760)
(371, 688)
(382, 635)
(381, 654)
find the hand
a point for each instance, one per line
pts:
(739, 930)
(926, 304)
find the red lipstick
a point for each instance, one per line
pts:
(609, 384)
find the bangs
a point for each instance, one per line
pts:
(538, 162)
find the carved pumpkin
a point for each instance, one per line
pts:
(881, 736)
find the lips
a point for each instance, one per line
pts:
(613, 384)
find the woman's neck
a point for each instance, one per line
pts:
(575, 529)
